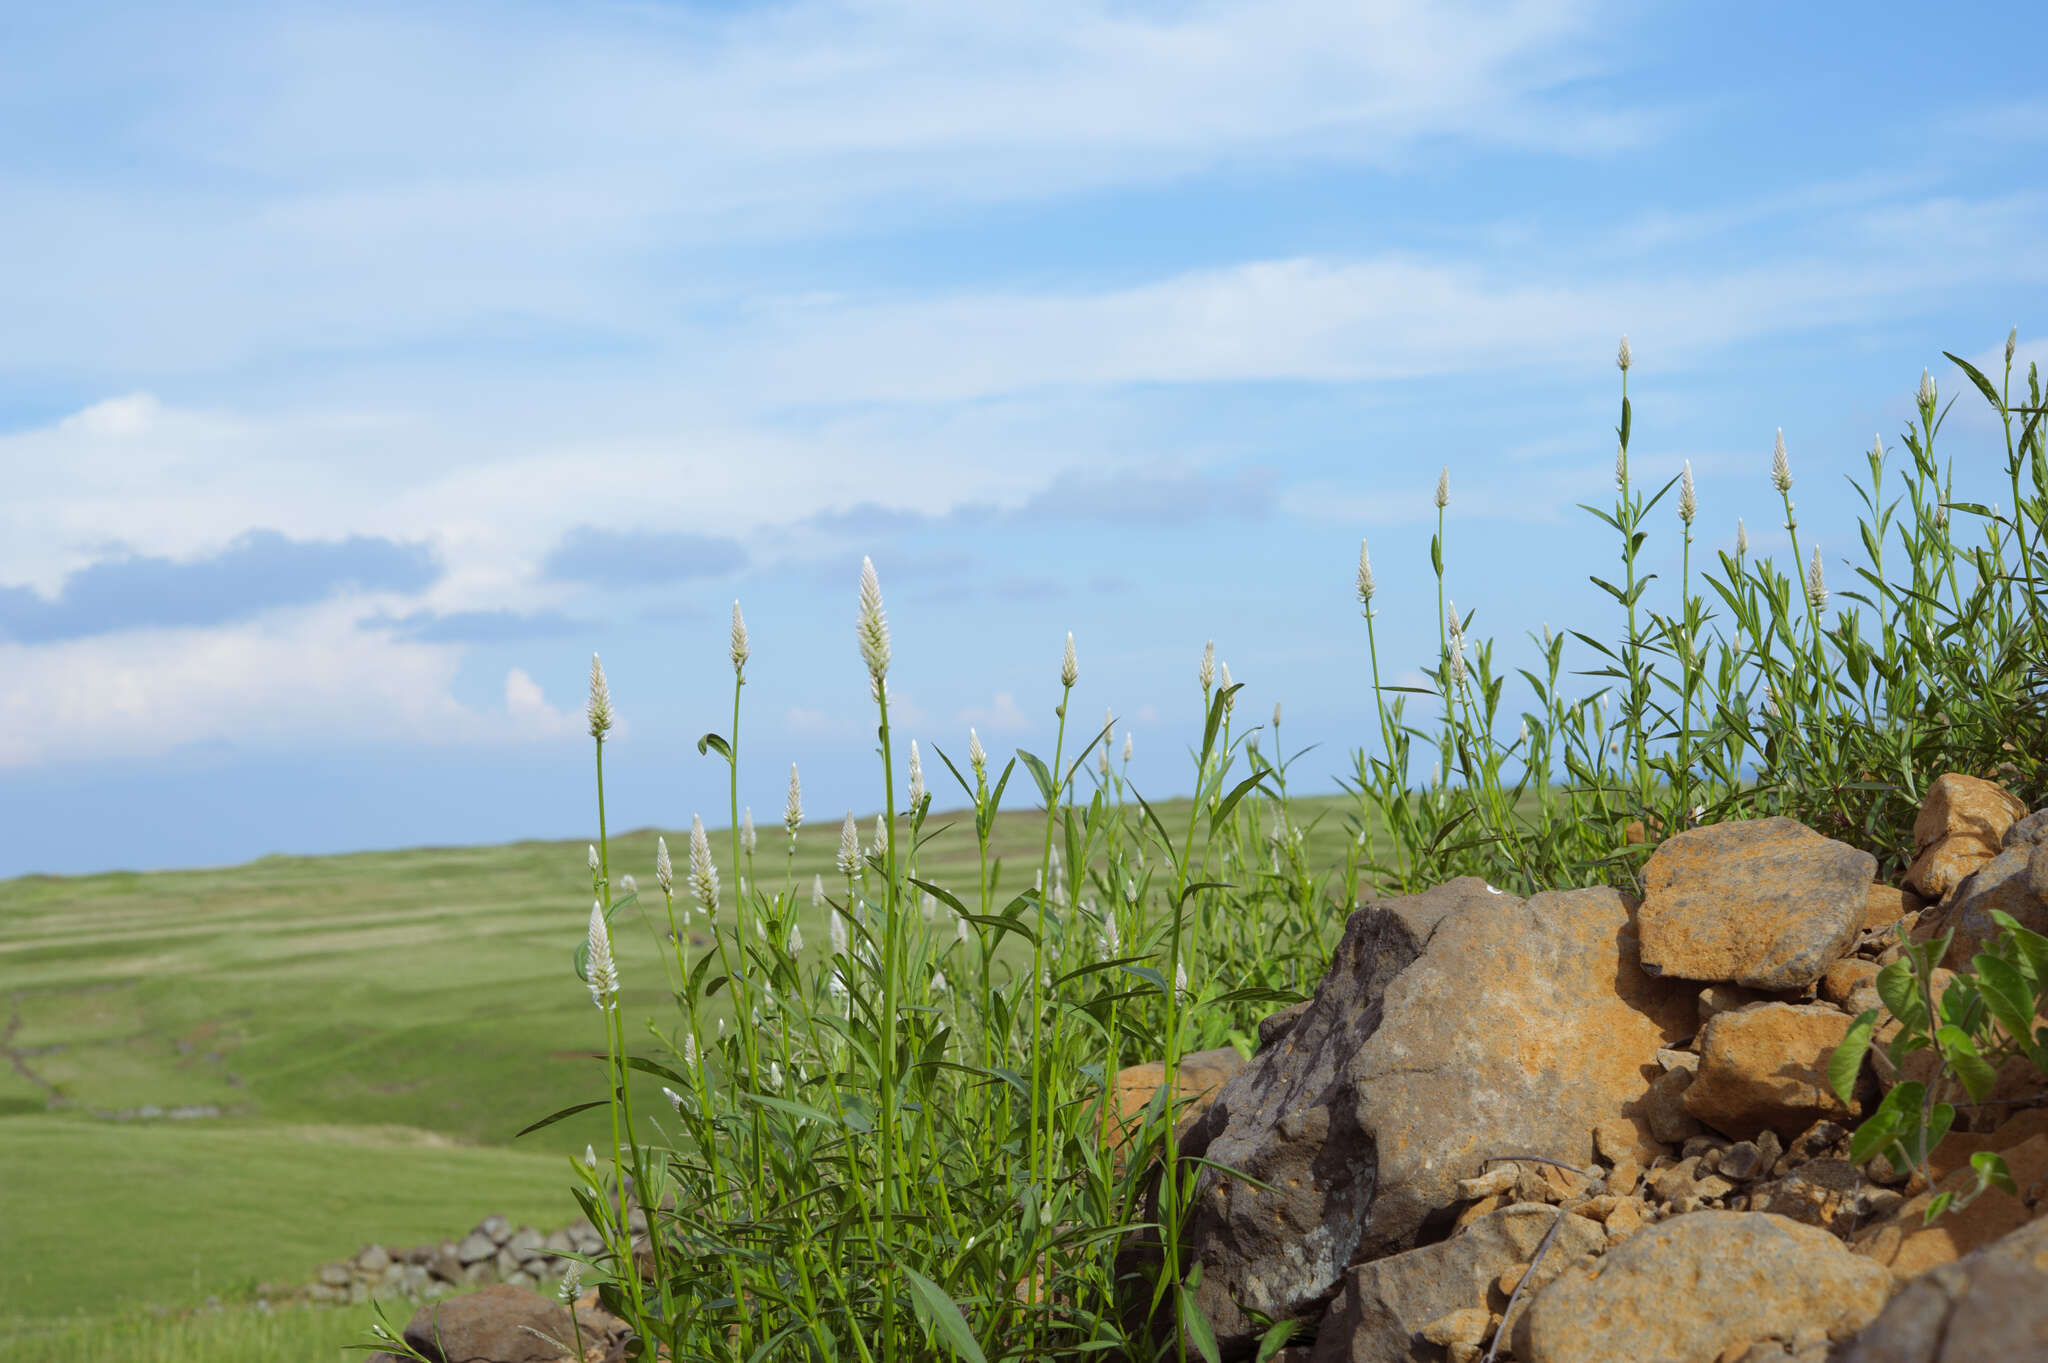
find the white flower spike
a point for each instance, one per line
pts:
(1070, 670)
(849, 848)
(703, 874)
(1816, 585)
(793, 807)
(916, 777)
(664, 869)
(1443, 488)
(600, 970)
(873, 629)
(977, 756)
(1622, 358)
(740, 651)
(599, 708)
(1688, 504)
(1781, 467)
(1208, 672)
(1364, 574)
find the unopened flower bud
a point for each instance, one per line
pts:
(1622, 358)
(1070, 670)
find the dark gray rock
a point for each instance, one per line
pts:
(1382, 1304)
(2028, 831)
(1991, 1304)
(475, 1248)
(1453, 1025)
(2015, 882)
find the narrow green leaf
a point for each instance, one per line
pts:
(1229, 802)
(1847, 1060)
(1936, 1208)
(659, 1071)
(1041, 775)
(1276, 1338)
(554, 1117)
(1197, 1326)
(1983, 384)
(802, 1110)
(942, 1314)
(714, 741)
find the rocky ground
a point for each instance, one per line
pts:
(1583, 1128)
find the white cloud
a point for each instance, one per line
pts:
(528, 708)
(387, 175)
(1001, 715)
(149, 692)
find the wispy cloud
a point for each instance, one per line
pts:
(261, 570)
(641, 558)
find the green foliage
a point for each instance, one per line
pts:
(1982, 1019)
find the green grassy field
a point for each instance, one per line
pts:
(374, 1028)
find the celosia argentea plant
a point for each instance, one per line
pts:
(896, 1151)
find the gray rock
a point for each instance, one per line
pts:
(446, 1266)
(335, 1275)
(373, 1259)
(1365, 1115)
(1990, 1304)
(526, 1242)
(1695, 1286)
(507, 1263)
(475, 1248)
(2028, 831)
(496, 1227)
(1766, 903)
(1384, 1303)
(1274, 1026)
(560, 1243)
(2015, 882)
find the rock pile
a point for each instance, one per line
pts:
(1596, 1130)
(493, 1252)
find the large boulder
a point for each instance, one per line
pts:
(1702, 1287)
(1453, 1026)
(1384, 1305)
(1767, 903)
(1990, 1305)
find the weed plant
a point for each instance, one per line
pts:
(898, 1151)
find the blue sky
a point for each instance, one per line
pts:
(366, 368)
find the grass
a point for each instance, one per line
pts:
(376, 1026)
(228, 1335)
(109, 1218)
